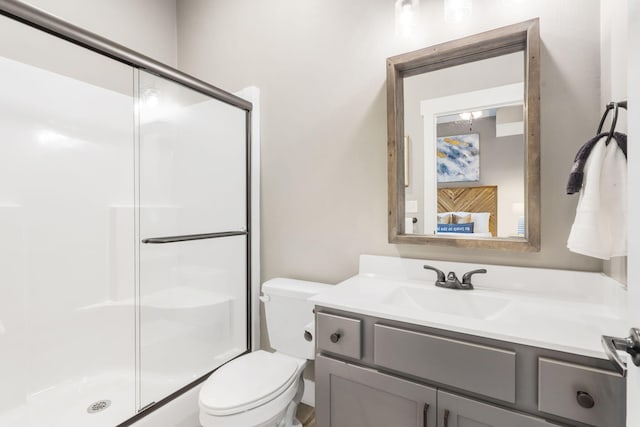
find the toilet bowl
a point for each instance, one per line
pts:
(262, 389)
(253, 390)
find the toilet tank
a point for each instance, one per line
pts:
(288, 313)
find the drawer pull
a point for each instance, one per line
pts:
(335, 337)
(585, 400)
(425, 417)
(446, 418)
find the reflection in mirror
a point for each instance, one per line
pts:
(464, 145)
(465, 149)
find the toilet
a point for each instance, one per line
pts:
(262, 388)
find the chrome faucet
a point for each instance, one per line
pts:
(451, 281)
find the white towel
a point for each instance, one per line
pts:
(600, 227)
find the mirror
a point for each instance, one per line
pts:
(464, 149)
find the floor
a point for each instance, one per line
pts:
(306, 415)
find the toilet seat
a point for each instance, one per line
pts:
(248, 382)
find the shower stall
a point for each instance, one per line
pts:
(124, 227)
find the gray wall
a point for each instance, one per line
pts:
(321, 67)
(147, 26)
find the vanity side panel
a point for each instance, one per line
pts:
(480, 369)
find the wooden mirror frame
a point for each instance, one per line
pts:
(524, 36)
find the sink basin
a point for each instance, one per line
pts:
(450, 302)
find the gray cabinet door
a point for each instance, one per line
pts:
(352, 396)
(457, 411)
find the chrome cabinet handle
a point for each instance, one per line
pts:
(630, 344)
(446, 418)
(425, 414)
(335, 337)
(585, 400)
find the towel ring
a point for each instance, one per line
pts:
(610, 106)
(614, 121)
(613, 125)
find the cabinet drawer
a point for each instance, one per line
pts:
(559, 384)
(340, 335)
(476, 368)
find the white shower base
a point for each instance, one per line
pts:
(65, 405)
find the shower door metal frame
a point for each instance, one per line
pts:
(55, 26)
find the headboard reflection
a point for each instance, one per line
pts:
(471, 199)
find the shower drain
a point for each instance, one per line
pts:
(98, 406)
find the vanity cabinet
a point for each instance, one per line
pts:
(374, 372)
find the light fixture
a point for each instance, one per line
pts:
(456, 11)
(470, 115)
(406, 11)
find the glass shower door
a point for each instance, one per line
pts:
(193, 250)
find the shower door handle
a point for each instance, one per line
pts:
(189, 237)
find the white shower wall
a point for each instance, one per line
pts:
(66, 160)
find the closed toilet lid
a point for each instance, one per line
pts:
(247, 382)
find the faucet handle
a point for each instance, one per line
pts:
(466, 279)
(440, 273)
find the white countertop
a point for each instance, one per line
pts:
(555, 309)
